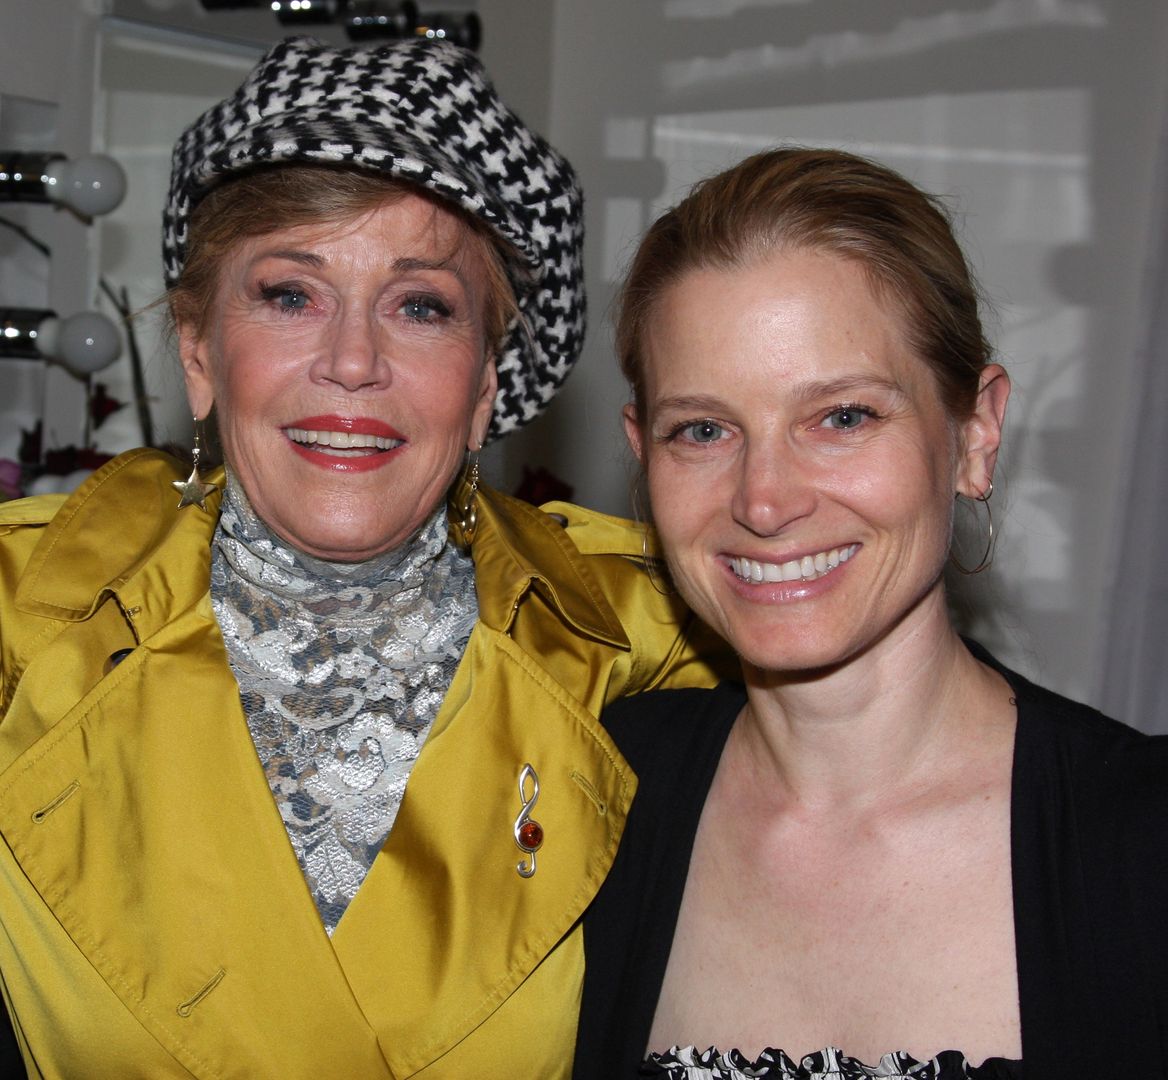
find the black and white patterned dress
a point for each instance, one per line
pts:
(688, 1063)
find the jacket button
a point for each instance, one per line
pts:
(116, 658)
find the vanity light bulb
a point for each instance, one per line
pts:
(84, 343)
(91, 185)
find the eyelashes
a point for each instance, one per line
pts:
(294, 299)
(701, 431)
(848, 417)
(423, 308)
(705, 430)
(287, 297)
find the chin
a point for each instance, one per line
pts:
(340, 532)
(343, 551)
(334, 544)
(795, 648)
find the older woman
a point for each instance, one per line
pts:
(883, 846)
(300, 771)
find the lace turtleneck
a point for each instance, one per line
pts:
(342, 668)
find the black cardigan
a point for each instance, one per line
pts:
(1089, 853)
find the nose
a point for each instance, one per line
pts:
(772, 488)
(352, 356)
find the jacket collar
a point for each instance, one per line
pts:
(519, 547)
(516, 545)
(68, 573)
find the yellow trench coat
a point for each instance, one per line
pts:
(154, 921)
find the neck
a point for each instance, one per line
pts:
(906, 712)
(257, 552)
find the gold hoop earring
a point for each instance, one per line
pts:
(193, 490)
(988, 555)
(469, 511)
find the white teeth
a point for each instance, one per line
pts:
(807, 568)
(341, 440)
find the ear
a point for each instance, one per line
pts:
(484, 405)
(982, 433)
(195, 358)
(633, 432)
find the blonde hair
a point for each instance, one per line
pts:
(266, 199)
(829, 201)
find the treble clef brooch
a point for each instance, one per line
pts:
(528, 833)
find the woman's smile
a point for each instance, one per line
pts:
(344, 443)
(350, 372)
(801, 464)
(806, 568)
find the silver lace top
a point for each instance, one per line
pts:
(342, 668)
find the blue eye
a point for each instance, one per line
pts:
(699, 431)
(705, 431)
(287, 297)
(425, 309)
(847, 417)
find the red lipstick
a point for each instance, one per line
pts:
(342, 461)
(355, 425)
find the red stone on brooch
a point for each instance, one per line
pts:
(530, 835)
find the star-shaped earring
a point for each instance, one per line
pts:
(193, 489)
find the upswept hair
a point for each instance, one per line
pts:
(830, 201)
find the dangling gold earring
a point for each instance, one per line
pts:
(469, 511)
(193, 490)
(988, 555)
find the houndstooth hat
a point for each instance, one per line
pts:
(424, 111)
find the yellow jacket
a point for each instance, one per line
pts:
(154, 921)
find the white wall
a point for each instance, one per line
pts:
(48, 76)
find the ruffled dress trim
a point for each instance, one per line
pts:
(688, 1063)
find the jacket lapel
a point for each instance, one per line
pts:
(468, 927)
(144, 822)
(141, 816)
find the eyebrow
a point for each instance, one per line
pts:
(406, 264)
(849, 384)
(426, 264)
(827, 388)
(293, 255)
(686, 403)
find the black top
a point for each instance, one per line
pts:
(1089, 854)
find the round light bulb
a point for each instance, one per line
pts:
(91, 185)
(84, 343)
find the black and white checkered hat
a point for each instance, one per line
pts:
(424, 111)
